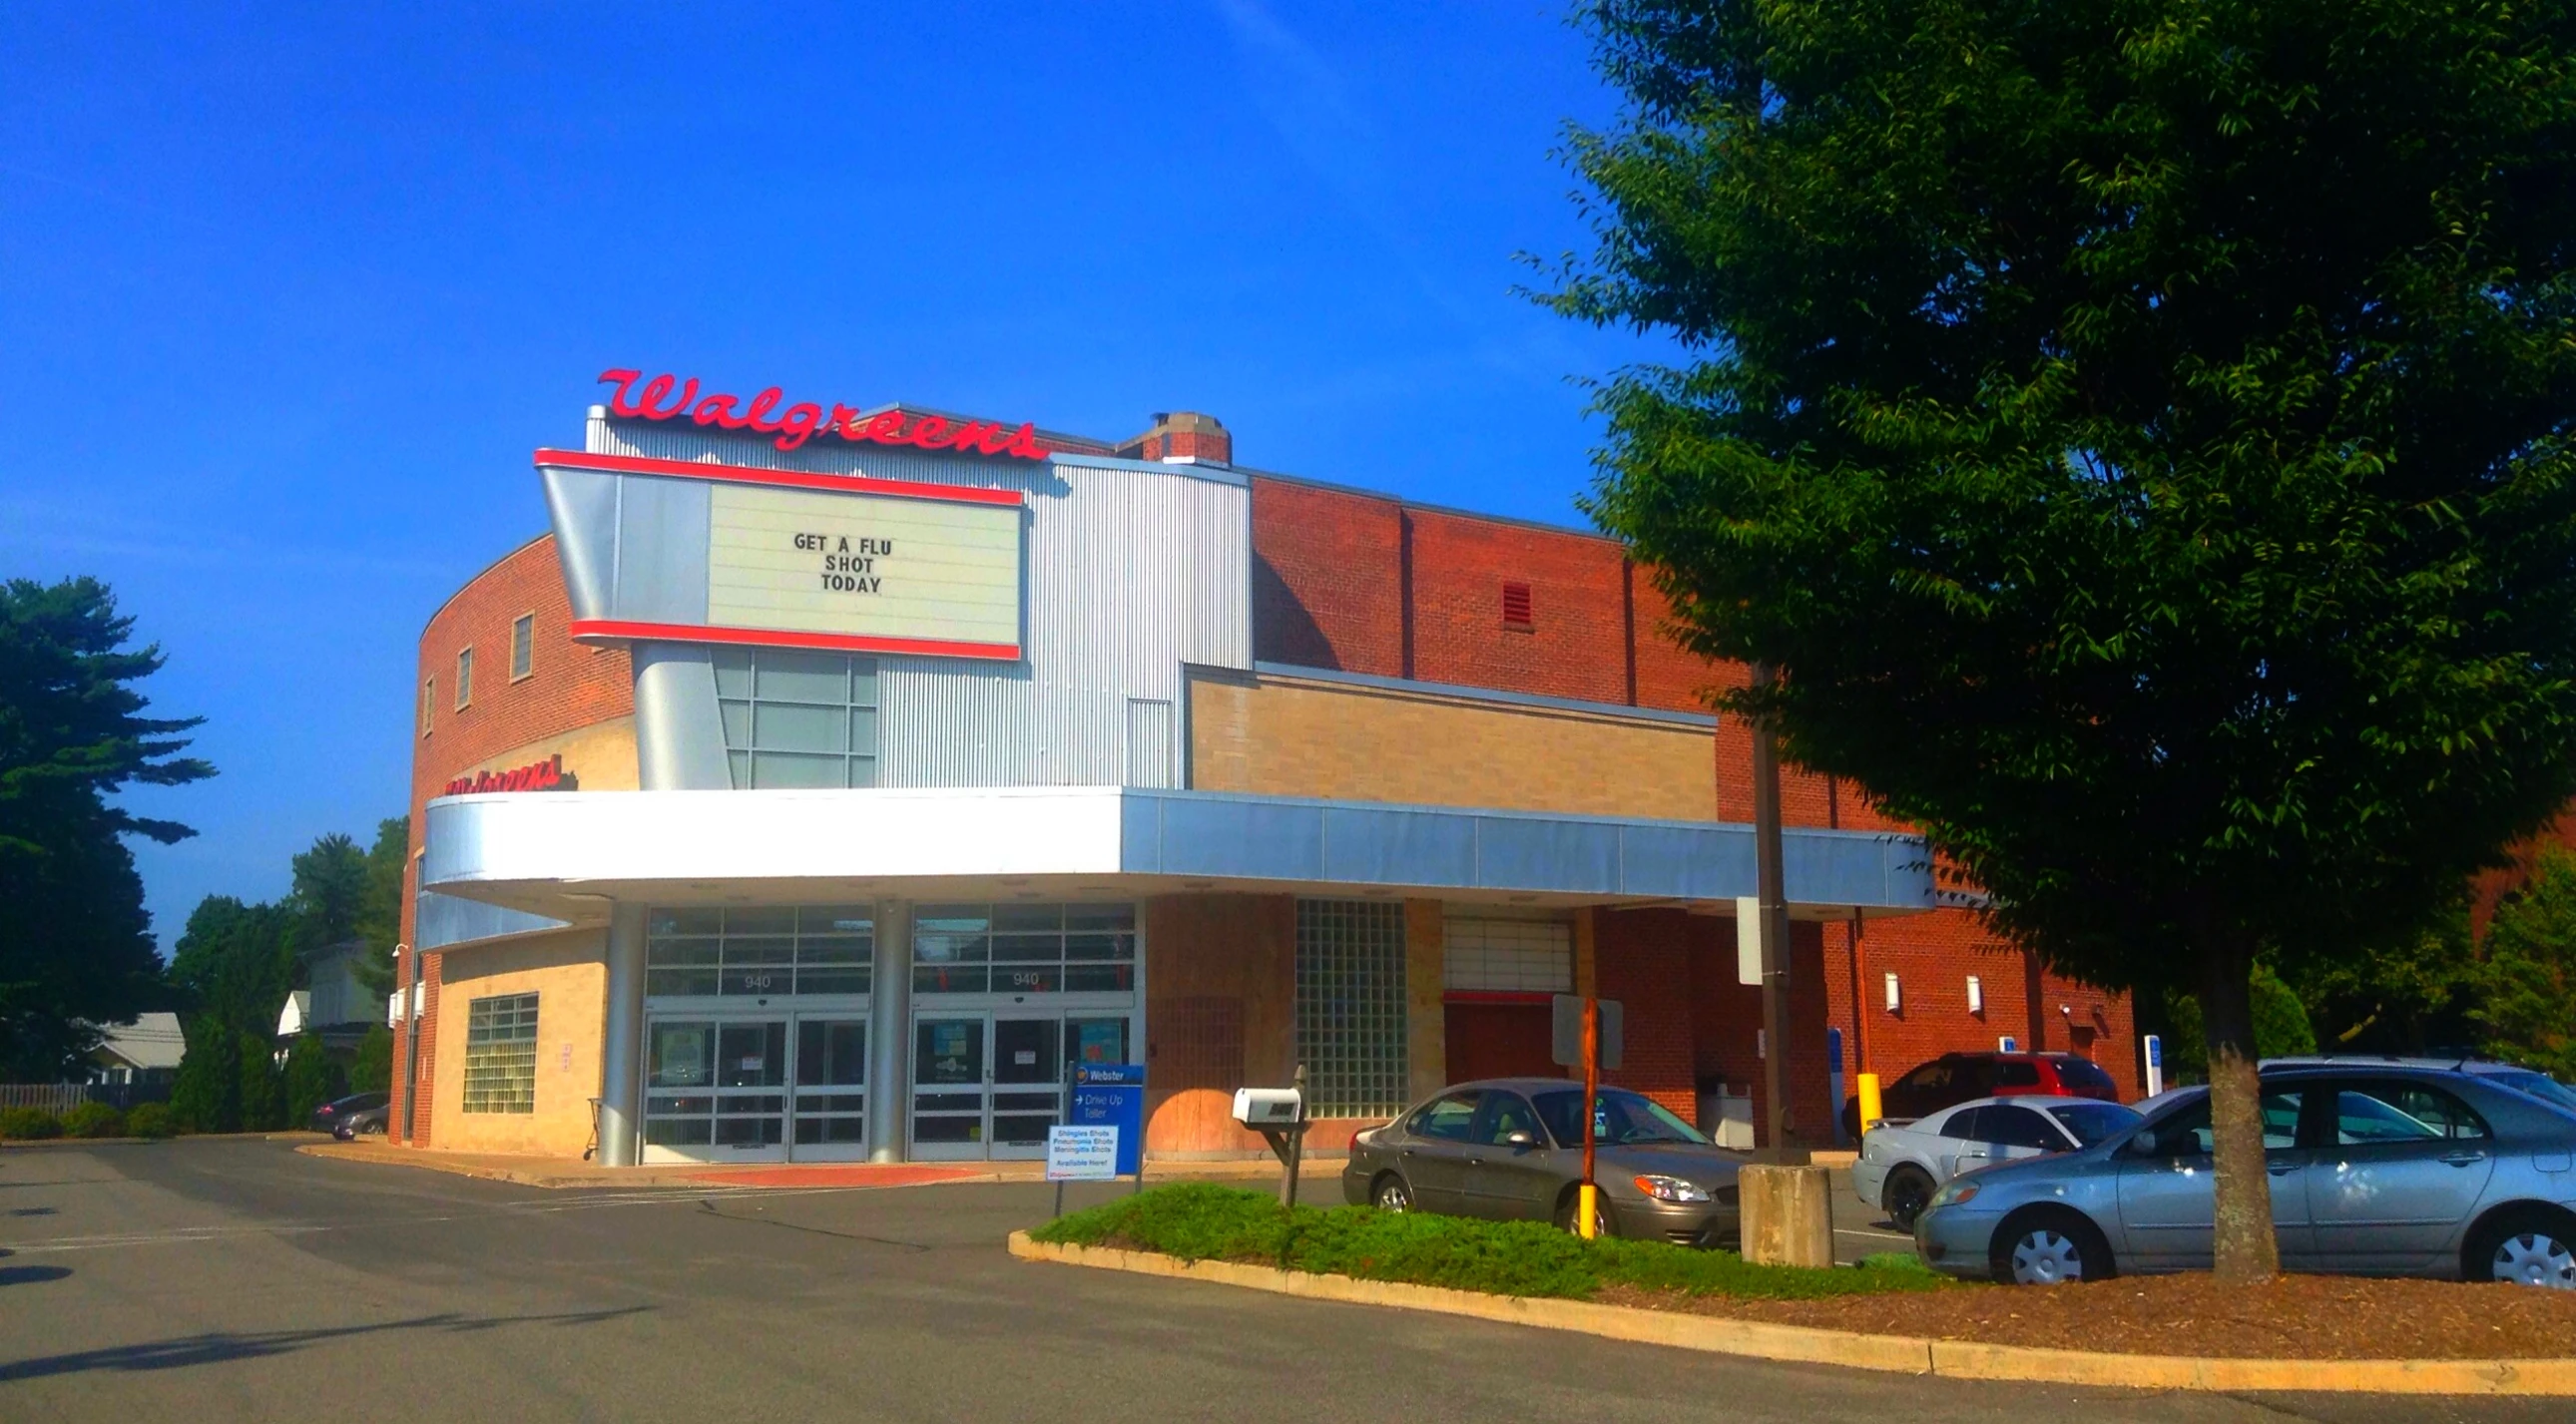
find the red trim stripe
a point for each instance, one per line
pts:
(1496, 996)
(786, 638)
(793, 479)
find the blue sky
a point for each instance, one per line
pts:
(288, 294)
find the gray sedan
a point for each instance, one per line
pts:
(2376, 1169)
(1512, 1148)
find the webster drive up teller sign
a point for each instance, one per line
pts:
(691, 551)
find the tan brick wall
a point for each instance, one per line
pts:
(1286, 737)
(599, 757)
(569, 975)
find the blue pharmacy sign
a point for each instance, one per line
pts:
(1112, 1095)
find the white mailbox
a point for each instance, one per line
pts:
(1268, 1107)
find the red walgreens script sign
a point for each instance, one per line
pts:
(537, 776)
(804, 420)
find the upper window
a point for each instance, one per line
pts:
(797, 719)
(464, 678)
(428, 705)
(1516, 605)
(771, 949)
(1508, 956)
(1024, 949)
(501, 1054)
(523, 646)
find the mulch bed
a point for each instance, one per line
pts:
(2292, 1317)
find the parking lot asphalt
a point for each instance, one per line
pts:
(223, 1280)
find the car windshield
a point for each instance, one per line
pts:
(2092, 1122)
(2539, 1085)
(1619, 1117)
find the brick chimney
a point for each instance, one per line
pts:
(1182, 437)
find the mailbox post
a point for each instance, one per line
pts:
(1279, 1115)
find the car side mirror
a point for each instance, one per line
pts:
(2142, 1145)
(1520, 1139)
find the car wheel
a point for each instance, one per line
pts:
(2531, 1247)
(1569, 1206)
(2048, 1248)
(376, 1129)
(1391, 1194)
(1908, 1192)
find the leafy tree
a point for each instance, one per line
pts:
(75, 943)
(313, 1077)
(330, 894)
(2281, 1027)
(2408, 992)
(2529, 970)
(235, 963)
(2137, 432)
(263, 1084)
(380, 913)
(373, 1071)
(206, 1096)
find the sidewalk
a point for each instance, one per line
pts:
(554, 1172)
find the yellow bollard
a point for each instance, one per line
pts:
(1870, 1107)
(1587, 1209)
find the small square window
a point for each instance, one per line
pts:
(428, 705)
(523, 646)
(464, 679)
(1516, 605)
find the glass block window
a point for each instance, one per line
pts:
(1024, 949)
(1350, 1006)
(1509, 957)
(764, 950)
(797, 719)
(501, 1054)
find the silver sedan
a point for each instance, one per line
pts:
(1512, 1148)
(1902, 1164)
(2376, 1169)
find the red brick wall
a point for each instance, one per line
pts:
(1575, 642)
(569, 686)
(1327, 578)
(1645, 960)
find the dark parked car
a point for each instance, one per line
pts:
(353, 1114)
(2376, 1169)
(1512, 1149)
(1955, 1078)
(329, 1116)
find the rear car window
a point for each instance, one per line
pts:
(2402, 1112)
(2018, 1074)
(2083, 1075)
(2093, 1122)
(1450, 1117)
(1968, 1124)
(2538, 1085)
(2020, 1127)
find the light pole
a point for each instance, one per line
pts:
(1773, 907)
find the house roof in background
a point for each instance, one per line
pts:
(151, 1041)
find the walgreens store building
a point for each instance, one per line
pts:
(825, 781)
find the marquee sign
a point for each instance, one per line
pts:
(707, 553)
(805, 419)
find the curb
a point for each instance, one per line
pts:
(1900, 1354)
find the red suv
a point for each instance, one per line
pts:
(1958, 1077)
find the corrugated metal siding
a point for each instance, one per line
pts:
(1132, 572)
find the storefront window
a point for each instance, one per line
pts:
(1024, 949)
(501, 1054)
(797, 719)
(767, 950)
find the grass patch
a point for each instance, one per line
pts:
(1201, 1221)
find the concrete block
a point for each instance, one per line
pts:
(1788, 1215)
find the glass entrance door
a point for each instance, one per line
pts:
(948, 1086)
(1028, 1083)
(830, 1102)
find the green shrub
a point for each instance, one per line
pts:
(1202, 1221)
(313, 1077)
(151, 1120)
(373, 1070)
(28, 1124)
(93, 1120)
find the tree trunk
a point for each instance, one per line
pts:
(2243, 1247)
